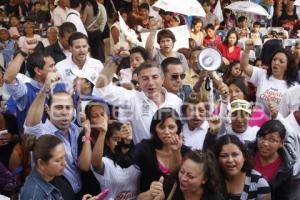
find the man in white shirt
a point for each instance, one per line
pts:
(79, 60)
(60, 12)
(74, 16)
(134, 106)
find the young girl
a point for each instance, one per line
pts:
(196, 31)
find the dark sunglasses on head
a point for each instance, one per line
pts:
(176, 76)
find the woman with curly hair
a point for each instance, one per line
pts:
(273, 82)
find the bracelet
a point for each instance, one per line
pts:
(44, 90)
(86, 138)
(115, 59)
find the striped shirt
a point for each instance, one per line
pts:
(255, 188)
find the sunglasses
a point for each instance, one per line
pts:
(176, 76)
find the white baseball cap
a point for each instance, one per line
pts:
(89, 74)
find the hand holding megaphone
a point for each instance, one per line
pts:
(210, 59)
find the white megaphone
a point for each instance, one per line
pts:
(210, 59)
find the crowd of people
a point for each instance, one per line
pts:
(90, 111)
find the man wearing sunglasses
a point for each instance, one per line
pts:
(174, 76)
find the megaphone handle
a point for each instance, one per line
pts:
(207, 84)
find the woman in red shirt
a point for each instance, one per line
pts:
(229, 48)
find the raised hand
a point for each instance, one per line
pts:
(215, 123)
(52, 78)
(86, 125)
(224, 91)
(273, 107)
(29, 46)
(154, 24)
(126, 130)
(249, 45)
(100, 124)
(176, 142)
(156, 188)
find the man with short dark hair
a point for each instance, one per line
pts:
(137, 107)
(79, 60)
(60, 50)
(60, 111)
(174, 76)
(38, 66)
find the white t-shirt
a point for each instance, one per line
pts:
(74, 17)
(270, 89)
(136, 107)
(195, 138)
(290, 101)
(123, 183)
(248, 135)
(92, 67)
(59, 15)
(23, 39)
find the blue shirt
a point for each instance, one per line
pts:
(23, 94)
(36, 188)
(71, 171)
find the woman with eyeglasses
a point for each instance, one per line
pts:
(240, 180)
(272, 160)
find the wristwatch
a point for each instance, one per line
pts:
(86, 138)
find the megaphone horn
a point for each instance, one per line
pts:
(210, 59)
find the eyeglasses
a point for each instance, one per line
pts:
(269, 140)
(176, 76)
